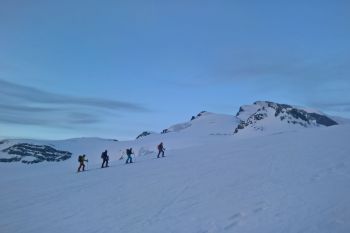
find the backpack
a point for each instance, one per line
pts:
(80, 158)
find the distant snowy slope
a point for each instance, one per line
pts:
(177, 136)
(206, 123)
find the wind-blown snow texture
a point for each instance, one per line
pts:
(211, 181)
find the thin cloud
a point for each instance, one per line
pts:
(274, 68)
(26, 109)
(56, 118)
(82, 118)
(39, 96)
(25, 120)
(25, 105)
(341, 106)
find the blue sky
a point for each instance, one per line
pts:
(116, 68)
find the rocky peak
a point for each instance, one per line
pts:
(251, 116)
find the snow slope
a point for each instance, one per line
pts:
(211, 181)
(179, 136)
(206, 123)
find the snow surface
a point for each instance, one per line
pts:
(209, 181)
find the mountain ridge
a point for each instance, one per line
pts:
(259, 118)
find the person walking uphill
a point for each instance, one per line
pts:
(105, 158)
(161, 150)
(81, 160)
(129, 153)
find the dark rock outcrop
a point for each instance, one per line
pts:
(29, 153)
(165, 131)
(143, 134)
(201, 113)
(198, 115)
(3, 141)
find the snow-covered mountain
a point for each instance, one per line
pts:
(286, 177)
(260, 118)
(275, 117)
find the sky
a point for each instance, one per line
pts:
(112, 69)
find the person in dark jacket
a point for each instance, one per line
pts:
(129, 153)
(105, 158)
(81, 160)
(160, 150)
